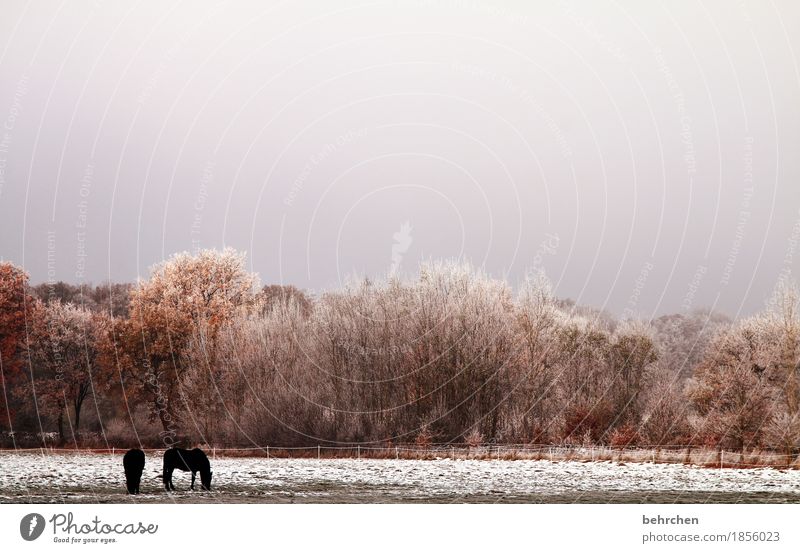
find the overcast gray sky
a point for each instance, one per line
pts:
(645, 154)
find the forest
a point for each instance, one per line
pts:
(201, 352)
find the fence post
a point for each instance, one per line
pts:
(358, 449)
(318, 451)
(267, 452)
(396, 452)
(721, 457)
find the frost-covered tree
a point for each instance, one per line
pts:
(632, 354)
(782, 322)
(584, 379)
(65, 359)
(462, 347)
(395, 356)
(746, 388)
(275, 294)
(665, 418)
(682, 339)
(259, 385)
(450, 355)
(731, 388)
(110, 298)
(531, 403)
(184, 294)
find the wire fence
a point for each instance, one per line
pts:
(681, 454)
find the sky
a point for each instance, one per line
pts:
(643, 154)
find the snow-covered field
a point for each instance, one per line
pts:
(98, 478)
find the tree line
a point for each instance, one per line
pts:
(199, 352)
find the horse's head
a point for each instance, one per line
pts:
(205, 480)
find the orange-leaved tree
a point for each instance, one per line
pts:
(184, 294)
(18, 310)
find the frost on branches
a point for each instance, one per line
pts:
(197, 352)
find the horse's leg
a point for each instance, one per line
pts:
(193, 473)
(168, 480)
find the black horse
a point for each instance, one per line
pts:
(133, 462)
(194, 461)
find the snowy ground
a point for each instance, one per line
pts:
(96, 478)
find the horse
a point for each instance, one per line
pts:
(183, 459)
(133, 463)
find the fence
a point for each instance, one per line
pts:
(688, 455)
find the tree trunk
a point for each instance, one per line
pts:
(61, 427)
(78, 405)
(168, 434)
(160, 404)
(163, 416)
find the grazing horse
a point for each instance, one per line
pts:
(133, 462)
(194, 461)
